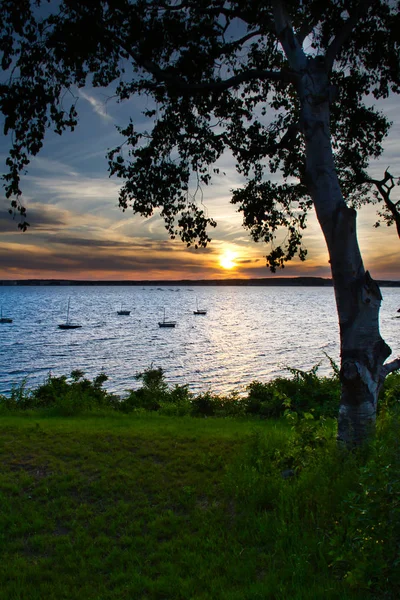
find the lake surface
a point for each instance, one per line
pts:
(248, 333)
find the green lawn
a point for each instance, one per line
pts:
(149, 507)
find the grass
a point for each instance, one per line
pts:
(117, 508)
(139, 505)
(152, 507)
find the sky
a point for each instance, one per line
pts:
(78, 231)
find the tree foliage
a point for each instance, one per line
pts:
(220, 82)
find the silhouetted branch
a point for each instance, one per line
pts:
(170, 79)
(307, 26)
(384, 187)
(345, 32)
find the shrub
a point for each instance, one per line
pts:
(19, 398)
(309, 392)
(390, 394)
(50, 393)
(305, 391)
(62, 396)
(274, 464)
(231, 405)
(204, 405)
(312, 436)
(365, 543)
(265, 400)
(177, 402)
(150, 396)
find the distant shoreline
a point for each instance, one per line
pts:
(261, 282)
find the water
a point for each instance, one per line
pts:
(248, 333)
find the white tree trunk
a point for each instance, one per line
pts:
(358, 298)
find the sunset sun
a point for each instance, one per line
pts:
(227, 260)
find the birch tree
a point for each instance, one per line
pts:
(285, 86)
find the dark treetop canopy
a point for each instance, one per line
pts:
(220, 81)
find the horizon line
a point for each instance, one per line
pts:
(290, 280)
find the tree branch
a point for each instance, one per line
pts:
(384, 187)
(244, 77)
(239, 42)
(286, 140)
(390, 367)
(169, 79)
(284, 30)
(263, 150)
(345, 31)
(306, 28)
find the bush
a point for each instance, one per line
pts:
(305, 392)
(177, 402)
(204, 405)
(150, 396)
(309, 392)
(265, 400)
(62, 396)
(156, 396)
(295, 475)
(390, 394)
(50, 393)
(18, 399)
(365, 543)
(312, 436)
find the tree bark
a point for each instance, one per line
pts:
(358, 298)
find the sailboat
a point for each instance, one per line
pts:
(68, 324)
(4, 319)
(165, 323)
(199, 311)
(123, 312)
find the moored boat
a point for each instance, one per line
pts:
(199, 311)
(165, 323)
(69, 324)
(4, 319)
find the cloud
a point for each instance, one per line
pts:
(40, 217)
(100, 108)
(104, 261)
(247, 261)
(101, 189)
(77, 230)
(49, 165)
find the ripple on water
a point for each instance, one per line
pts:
(247, 334)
